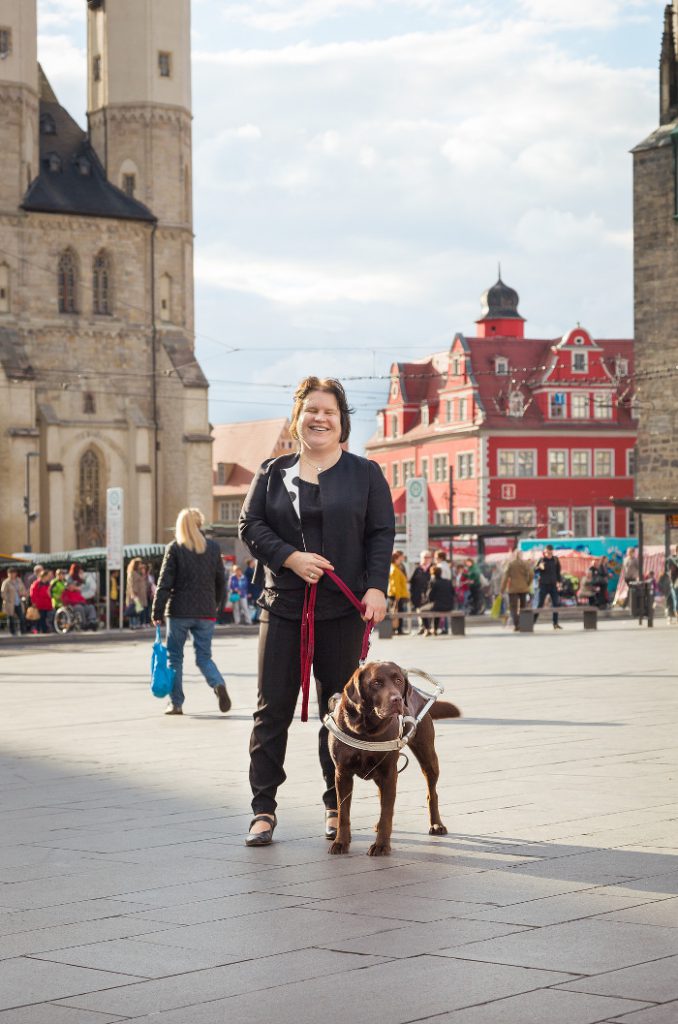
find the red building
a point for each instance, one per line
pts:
(512, 430)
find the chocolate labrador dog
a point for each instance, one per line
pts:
(369, 708)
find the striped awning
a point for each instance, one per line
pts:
(86, 556)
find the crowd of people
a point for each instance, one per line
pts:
(30, 602)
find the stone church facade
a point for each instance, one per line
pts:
(655, 162)
(99, 386)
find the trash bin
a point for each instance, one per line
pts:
(641, 599)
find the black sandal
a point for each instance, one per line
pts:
(330, 830)
(264, 838)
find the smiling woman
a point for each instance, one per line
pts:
(319, 509)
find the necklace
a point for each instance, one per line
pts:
(315, 466)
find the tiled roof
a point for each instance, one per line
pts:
(242, 447)
(77, 183)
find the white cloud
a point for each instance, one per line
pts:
(576, 14)
(299, 284)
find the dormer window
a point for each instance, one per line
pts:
(84, 166)
(456, 366)
(516, 403)
(580, 360)
(53, 163)
(621, 367)
(47, 125)
(394, 389)
(394, 426)
(424, 414)
(501, 366)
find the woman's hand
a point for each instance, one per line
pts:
(307, 566)
(375, 606)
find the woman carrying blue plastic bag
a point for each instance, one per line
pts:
(190, 591)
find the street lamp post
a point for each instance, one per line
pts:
(30, 516)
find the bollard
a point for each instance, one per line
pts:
(526, 620)
(590, 618)
(385, 628)
(457, 623)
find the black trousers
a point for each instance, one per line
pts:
(549, 590)
(337, 652)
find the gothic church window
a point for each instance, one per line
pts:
(89, 509)
(96, 68)
(101, 284)
(129, 184)
(88, 404)
(5, 42)
(67, 282)
(165, 64)
(4, 288)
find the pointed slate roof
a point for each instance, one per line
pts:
(71, 178)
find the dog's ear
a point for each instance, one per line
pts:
(353, 694)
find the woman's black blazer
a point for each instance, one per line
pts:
(358, 522)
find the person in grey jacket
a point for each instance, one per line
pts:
(321, 508)
(190, 591)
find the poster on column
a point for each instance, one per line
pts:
(416, 513)
(114, 527)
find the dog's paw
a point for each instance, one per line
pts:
(379, 850)
(437, 830)
(338, 848)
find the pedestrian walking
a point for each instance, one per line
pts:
(238, 593)
(517, 582)
(137, 594)
(550, 575)
(319, 499)
(189, 592)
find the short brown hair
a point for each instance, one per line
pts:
(332, 387)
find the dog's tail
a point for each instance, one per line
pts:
(443, 709)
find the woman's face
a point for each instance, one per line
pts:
(319, 424)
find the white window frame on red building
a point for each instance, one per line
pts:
(604, 510)
(408, 467)
(603, 405)
(395, 474)
(560, 406)
(563, 524)
(598, 453)
(510, 516)
(585, 399)
(574, 459)
(585, 512)
(581, 356)
(424, 467)
(466, 465)
(438, 461)
(519, 455)
(466, 517)
(550, 460)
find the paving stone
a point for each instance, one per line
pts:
(147, 959)
(46, 939)
(581, 947)
(542, 1006)
(398, 992)
(659, 912)
(415, 939)
(664, 1014)
(655, 981)
(26, 980)
(223, 908)
(247, 976)
(571, 907)
(52, 1013)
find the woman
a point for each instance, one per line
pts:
(321, 508)
(190, 591)
(397, 590)
(440, 598)
(42, 600)
(73, 596)
(137, 594)
(13, 592)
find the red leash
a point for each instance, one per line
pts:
(308, 635)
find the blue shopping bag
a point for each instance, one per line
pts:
(162, 675)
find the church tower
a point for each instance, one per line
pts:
(139, 112)
(18, 100)
(655, 231)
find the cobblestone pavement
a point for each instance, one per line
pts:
(126, 891)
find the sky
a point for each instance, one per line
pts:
(362, 167)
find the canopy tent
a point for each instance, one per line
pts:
(88, 558)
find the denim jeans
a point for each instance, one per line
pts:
(202, 631)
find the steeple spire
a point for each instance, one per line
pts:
(668, 70)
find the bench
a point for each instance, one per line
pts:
(456, 622)
(573, 612)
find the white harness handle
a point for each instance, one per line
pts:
(404, 721)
